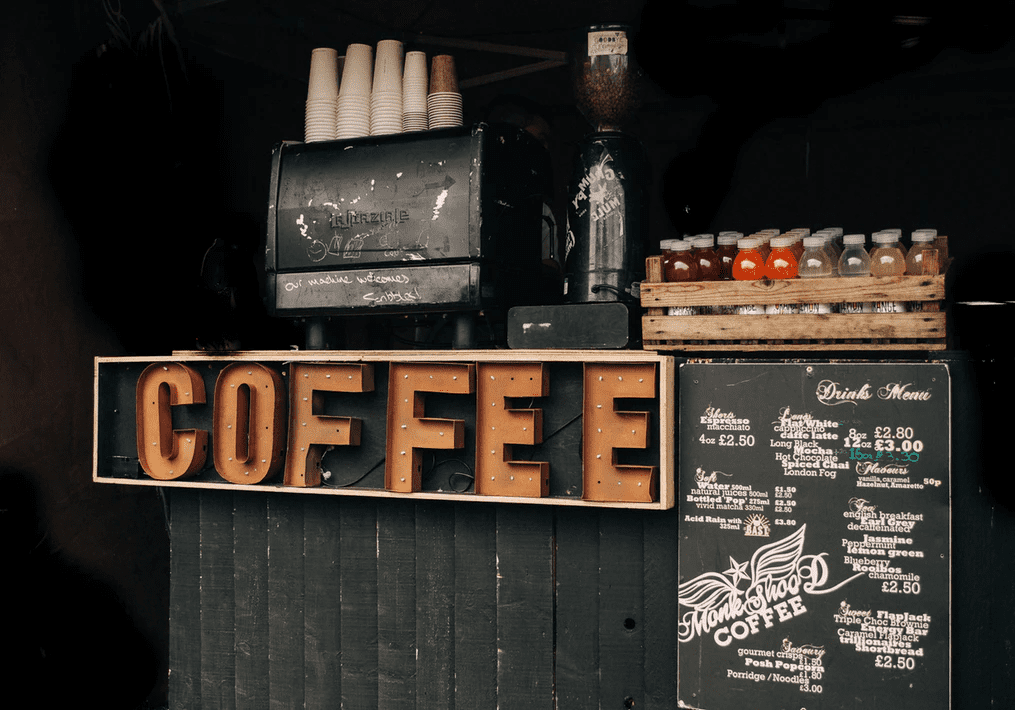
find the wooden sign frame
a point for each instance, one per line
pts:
(514, 390)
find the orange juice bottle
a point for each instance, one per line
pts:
(749, 264)
(782, 262)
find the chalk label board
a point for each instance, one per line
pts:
(814, 559)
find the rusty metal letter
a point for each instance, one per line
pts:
(310, 433)
(165, 453)
(606, 430)
(408, 430)
(498, 427)
(249, 426)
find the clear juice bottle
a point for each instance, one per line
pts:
(923, 239)
(887, 259)
(854, 261)
(814, 264)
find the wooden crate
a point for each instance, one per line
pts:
(915, 330)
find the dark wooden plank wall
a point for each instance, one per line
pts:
(291, 601)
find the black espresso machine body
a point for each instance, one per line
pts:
(436, 221)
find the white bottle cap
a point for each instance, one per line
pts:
(853, 239)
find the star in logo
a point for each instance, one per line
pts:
(737, 571)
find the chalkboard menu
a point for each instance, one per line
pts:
(814, 554)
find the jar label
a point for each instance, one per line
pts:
(610, 42)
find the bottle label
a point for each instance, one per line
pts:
(682, 311)
(855, 307)
(887, 259)
(889, 307)
(610, 42)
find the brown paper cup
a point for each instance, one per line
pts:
(443, 75)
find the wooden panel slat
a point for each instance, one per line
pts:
(828, 290)
(322, 614)
(435, 620)
(475, 589)
(524, 608)
(661, 582)
(250, 591)
(285, 603)
(796, 326)
(185, 601)
(358, 532)
(218, 603)
(396, 604)
(621, 610)
(577, 626)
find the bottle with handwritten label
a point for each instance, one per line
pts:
(887, 259)
(749, 266)
(709, 268)
(727, 253)
(782, 262)
(854, 261)
(681, 268)
(815, 264)
(923, 239)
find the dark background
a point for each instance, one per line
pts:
(126, 152)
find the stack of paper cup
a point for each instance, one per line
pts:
(322, 96)
(386, 97)
(354, 92)
(414, 85)
(444, 102)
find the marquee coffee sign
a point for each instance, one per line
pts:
(565, 428)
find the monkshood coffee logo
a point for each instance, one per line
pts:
(778, 577)
(832, 393)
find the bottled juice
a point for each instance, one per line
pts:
(887, 259)
(681, 268)
(727, 253)
(782, 262)
(709, 268)
(681, 265)
(666, 249)
(814, 264)
(854, 261)
(923, 239)
(749, 264)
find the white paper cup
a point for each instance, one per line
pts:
(358, 70)
(323, 74)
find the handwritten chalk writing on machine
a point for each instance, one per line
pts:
(443, 222)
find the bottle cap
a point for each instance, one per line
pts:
(783, 241)
(853, 239)
(681, 245)
(749, 243)
(813, 242)
(924, 235)
(704, 241)
(729, 237)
